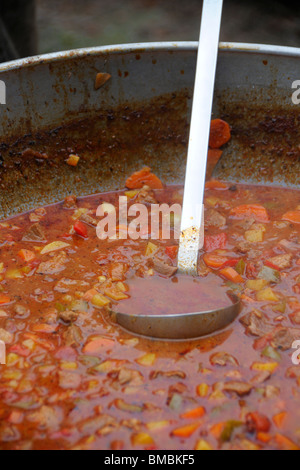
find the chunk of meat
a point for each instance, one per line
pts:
(37, 215)
(163, 268)
(240, 388)
(179, 388)
(203, 270)
(245, 224)
(70, 202)
(253, 269)
(117, 271)
(73, 336)
(45, 418)
(256, 324)
(68, 316)
(168, 374)
(214, 219)
(247, 248)
(283, 338)
(260, 378)
(49, 316)
(281, 261)
(223, 359)
(34, 234)
(146, 195)
(93, 425)
(129, 376)
(21, 311)
(257, 422)
(54, 265)
(89, 220)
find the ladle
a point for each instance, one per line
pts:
(191, 325)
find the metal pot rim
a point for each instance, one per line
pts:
(147, 47)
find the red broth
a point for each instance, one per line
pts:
(75, 380)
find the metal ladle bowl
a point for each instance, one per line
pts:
(181, 326)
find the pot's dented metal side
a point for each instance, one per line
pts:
(140, 117)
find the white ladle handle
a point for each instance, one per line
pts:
(192, 230)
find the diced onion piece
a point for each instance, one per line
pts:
(254, 236)
(141, 439)
(151, 249)
(147, 359)
(108, 208)
(265, 367)
(157, 425)
(267, 295)
(203, 445)
(257, 284)
(100, 301)
(54, 246)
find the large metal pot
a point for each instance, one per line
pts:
(140, 117)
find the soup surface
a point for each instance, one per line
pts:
(75, 380)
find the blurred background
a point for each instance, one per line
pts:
(28, 27)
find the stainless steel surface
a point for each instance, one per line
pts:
(253, 89)
(190, 325)
(192, 221)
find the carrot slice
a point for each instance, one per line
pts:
(263, 437)
(26, 255)
(185, 431)
(214, 155)
(285, 444)
(97, 345)
(220, 133)
(215, 184)
(214, 261)
(279, 419)
(232, 275)
(217, 429)
(90, 294)
(4, 299)
(292, 216)
(142, 178)
(172, 251)
(44, 328)
(257, 211)
(194, 414)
